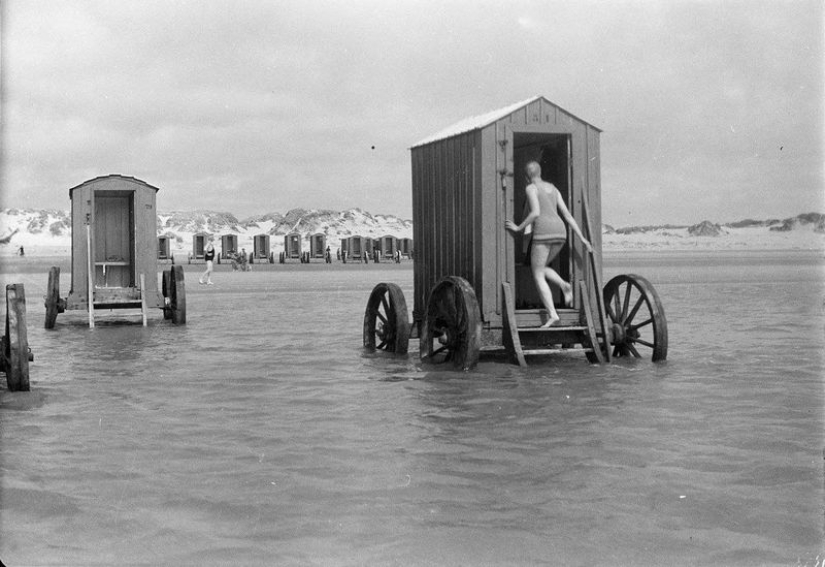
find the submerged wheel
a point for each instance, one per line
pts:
(15, 343)
(386, 324)
(177, 296)
(166, 286)
(636, 316)
(452, 327)
(53, 303)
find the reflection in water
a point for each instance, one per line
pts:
(262, 433)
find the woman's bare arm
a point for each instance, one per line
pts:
(535, 210)
(568, 218)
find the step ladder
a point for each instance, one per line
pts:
(524, 327)
(569, 329)
(111, 298)
(108, 298)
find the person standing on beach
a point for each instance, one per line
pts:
(209, 256)
(549, 236)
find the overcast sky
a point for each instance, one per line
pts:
(710, 109)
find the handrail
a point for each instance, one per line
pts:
(596, 279)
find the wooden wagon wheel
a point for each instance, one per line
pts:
(452, 327)
(636, 316)
(15, 356)
(177, 296)
(54, 304)
(386, 324)
(166, 286)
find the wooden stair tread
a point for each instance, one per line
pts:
(567, 328)
(536, 351)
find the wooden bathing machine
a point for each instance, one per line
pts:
(406, 246)
(388, 246)
(164, 248)
(358, 246)
(122, 224)
(468, 179)
(229, 246)
(473, 288)
(260, 247)
(292, 245)
(115, 251)
(318, 245)
(199, 245)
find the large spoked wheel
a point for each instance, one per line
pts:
(386, 325)
(452, 328)
(15, 357)
(178, 296)
(636, 316)
(53, 303)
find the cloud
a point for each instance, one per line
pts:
(277, 104)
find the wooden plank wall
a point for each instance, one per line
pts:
(446, 222)
(81, 214)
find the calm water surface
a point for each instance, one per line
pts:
(261, 434)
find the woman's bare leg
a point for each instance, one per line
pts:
(538, 263)
(566, 288)
(553, 275)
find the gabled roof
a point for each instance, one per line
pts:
(482, 120)
(114, 176)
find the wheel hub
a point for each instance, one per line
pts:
(619, 334)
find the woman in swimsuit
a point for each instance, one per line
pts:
(209, 256)
(549, 236)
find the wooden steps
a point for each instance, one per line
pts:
(523, 334)
(554, 328)
(118, 298)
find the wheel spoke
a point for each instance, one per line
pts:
(639, 303)
(626, 302)
(640, 325)
(617, 307)
(632, 349)
(381, 345)
(381, 316)
(641, 342)
(385, 304)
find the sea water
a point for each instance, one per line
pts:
(261, 433)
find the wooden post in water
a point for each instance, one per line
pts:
(16, 358)
(143, 297)
(91, 271)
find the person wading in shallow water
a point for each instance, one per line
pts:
(549, 236)
(209, 256)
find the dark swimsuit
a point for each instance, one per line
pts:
(209, 255)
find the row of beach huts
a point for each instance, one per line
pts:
(355, 248)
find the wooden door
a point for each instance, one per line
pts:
(113, 240)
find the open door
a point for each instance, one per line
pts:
(552, 151)
(114, 239)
